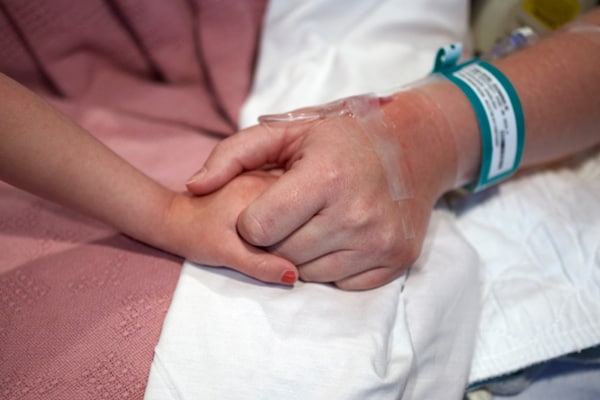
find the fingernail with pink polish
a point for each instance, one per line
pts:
(289, 277)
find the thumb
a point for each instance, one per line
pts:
(249, 149)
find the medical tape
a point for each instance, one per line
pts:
(366, 110)
(380, 130)
(581, 27)
(586, 31)
(498, 110)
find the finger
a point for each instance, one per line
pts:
(284, 207)
(249, 149)
(348, 271)
(259, 264)
(333, 267)
(316, 238)
(370, 279)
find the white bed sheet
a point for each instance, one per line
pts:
(227, 336)
(538, 238)
(525, 257)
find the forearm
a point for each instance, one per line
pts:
(43, 152)
(558, 84)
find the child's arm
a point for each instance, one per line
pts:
(43, 152)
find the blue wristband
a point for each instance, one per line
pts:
(498, 109)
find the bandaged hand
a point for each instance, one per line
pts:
(359, 185)
(203, 230)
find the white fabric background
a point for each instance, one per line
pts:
(538, 237)
(524, 256)
(227, 336)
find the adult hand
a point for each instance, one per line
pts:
(203, 230)
(347, 209)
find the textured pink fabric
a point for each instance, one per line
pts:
(81, 306)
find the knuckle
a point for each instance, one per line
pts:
(393, 248)
(332, 175)
(357, 216)
(385, 241)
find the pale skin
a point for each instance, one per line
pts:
(331, 212)
(43, 152)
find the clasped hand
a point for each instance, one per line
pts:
(345, 209)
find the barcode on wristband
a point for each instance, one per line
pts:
(498, 110)
(502, 123)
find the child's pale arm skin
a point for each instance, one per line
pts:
(45, 153)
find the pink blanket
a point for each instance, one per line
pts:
(81, 306)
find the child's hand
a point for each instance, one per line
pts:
(203, 229)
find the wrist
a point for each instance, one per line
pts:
(438, 131)
(167, 235)
(458, 125)
(149, 219)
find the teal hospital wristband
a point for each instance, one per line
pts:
(498, 109)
